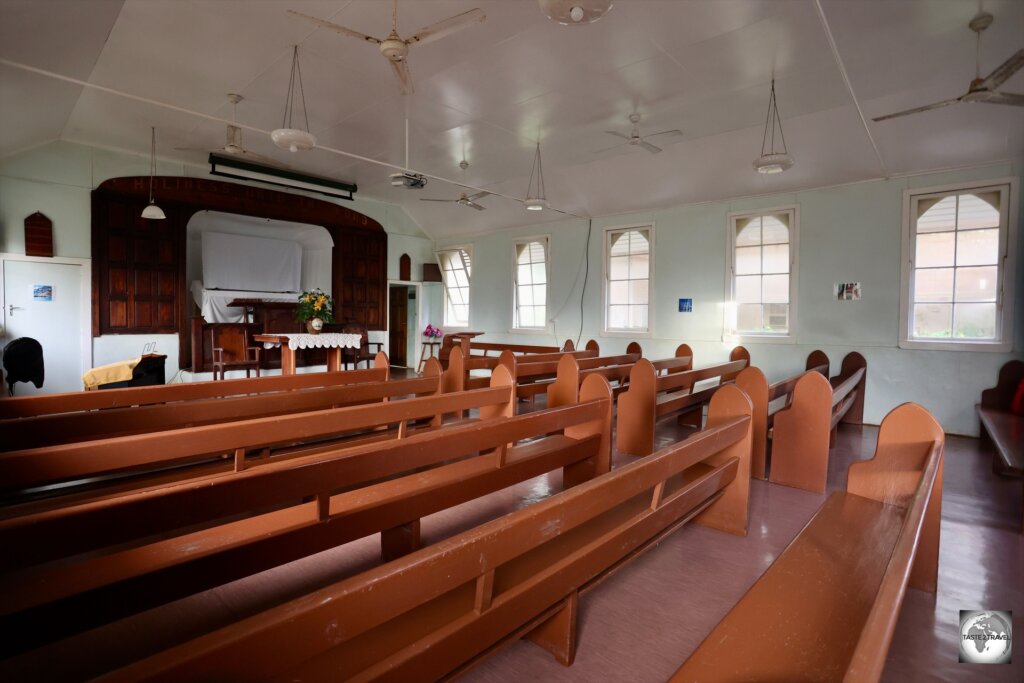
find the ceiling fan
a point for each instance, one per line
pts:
(981, 89)
(634, 137)
(469, 201)
(233, 144)
(396, 48)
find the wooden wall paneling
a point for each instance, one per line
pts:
(38, 235)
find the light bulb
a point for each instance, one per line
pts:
(576, 13)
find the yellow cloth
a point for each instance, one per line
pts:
(120, 371)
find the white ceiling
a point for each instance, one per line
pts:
(490, 91)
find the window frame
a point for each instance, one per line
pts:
(516, 327)
(627, 332)
(1008, 187)
(468, 248)
(729, 333)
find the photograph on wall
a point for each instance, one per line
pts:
(42, 292)
(847, 291)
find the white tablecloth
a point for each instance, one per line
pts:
(324, 340)
(213, 303)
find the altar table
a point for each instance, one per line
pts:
(334, 342)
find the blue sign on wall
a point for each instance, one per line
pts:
(686, 305)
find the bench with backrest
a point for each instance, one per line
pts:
(466, 342)
(827, 607)
(434, 613)
(805, 430)
(78, 401)
(483, 363)
(651, 396)
(85, 564)
(768, 400)
(1002, 424)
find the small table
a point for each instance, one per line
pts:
(334, 342)
(428, 350)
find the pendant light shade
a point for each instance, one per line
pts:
(288, 136)
(152, 211)
(536, 200)
(773, 159)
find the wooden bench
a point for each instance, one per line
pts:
(76, 401)
(432, 614)
(827, 607)
(82, 565)
(805, 430)
(536, 375)
(768, 401)
(651, 396)
(466, 342)
(478, 363)
(1000, 428)
(572, 372)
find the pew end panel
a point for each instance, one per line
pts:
(381, 361)
(800, 439)
(634, 347)
(852, 362)
(754, 384)
(595, 387)
(636, 411)
(501, 377)
(592, 345)
(683, 351)
(566, 387)
(730, 512)
(817, 360)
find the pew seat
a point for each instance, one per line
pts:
(1006, 431)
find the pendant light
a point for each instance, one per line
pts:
(287, 136)
(772, 159)
(152, 211)
(536, 200)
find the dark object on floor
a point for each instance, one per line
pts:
(23, 362)
(149, 372)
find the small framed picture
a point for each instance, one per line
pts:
(847, 291)
(42, 292)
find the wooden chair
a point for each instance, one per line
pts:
(363, 353)
(250, 356)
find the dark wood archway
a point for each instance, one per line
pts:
(139, 265)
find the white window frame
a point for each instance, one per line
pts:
(1007, 267)
(516, 327)
(468, 248)
(731, 335)
(631, 333)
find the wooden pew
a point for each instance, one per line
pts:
(768, 401)
(466, 343)
(571, 374)
(75, 401)
(491, 362)
(82, 565)
(1000, 427)
(433, 613)
(804, 431)
(827, 607)
(650, 397)
(535, 375)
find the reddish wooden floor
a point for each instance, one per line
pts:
(644, 621)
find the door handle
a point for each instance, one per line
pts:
(12, 308)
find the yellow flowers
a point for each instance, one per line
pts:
(315, 304)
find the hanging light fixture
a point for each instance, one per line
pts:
(773, 160)
(536, 200)
(287, 136)
(152, 210)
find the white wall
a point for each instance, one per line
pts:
(57, 179)
(847, 233)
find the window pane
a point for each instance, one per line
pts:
(639, 266)
(933, 320)
(523, 275)
(460, 278)
(748, 317)
(540, 295)
(775, 289)
(618, 267)
(540, 275)
(526, 316)
(638, 317)
(748, 289)
(748, 260)
(977, 247)
(974, 321)
(776, 317)
(937, 215)
(935, 249)
(617, 317)
(975, 212)
(618, 293)
(525, 295)
(748, 231)
(933, 284)
(638, 292)
(776, 258)
(976, 284)
(775, 230)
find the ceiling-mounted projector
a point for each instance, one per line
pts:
(412, 181)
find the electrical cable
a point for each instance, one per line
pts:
(586, 276)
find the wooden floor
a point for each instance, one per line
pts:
(644, 621)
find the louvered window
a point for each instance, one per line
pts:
(456, 269)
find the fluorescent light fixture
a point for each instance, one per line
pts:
(246, 170)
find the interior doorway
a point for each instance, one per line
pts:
(403, 314)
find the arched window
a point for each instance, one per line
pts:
(456, 269)
(627, 279)
(762, 270)
(531, 284)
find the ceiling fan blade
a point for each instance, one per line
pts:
(675, 132)
(478, 195)
(617, 134)
(473, 205)
(1003, 72)
(917, 110)
(401, 70)
(649, 147)
(447, 27)
(606, 149)
(323, 23)
(1004, 98)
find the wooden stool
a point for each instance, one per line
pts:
(427, 351)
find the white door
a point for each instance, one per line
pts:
(43, 301)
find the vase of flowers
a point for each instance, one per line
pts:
(432, 332)
(315, 308)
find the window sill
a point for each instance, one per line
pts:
(950, 345)
(632, 334)
(760, 338)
